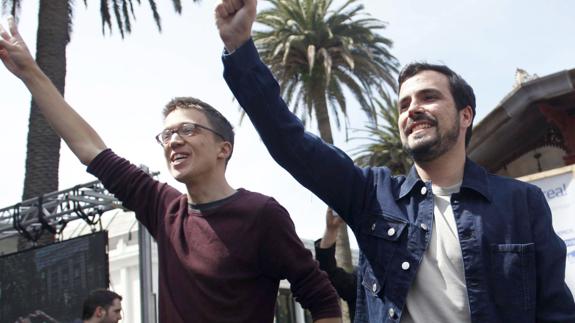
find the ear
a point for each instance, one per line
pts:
(225, 150)
(466, 117)
(99, 312)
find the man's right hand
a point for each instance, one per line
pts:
(84, 142)
(13, 51)
(234, 19)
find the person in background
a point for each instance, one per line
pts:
(102, 306)
(345, 283)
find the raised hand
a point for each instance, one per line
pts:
(234, 19)
(332, 224)
(332, 220)
(13, 51)
(84, 142)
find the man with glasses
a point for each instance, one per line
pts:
(222, 251)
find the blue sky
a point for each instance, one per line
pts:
(120, 86)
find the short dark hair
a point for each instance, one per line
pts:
(461, 91)
(98, 297)
(217, 121)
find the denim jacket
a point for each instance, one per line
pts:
(514, 263)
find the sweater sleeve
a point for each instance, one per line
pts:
(136, 189)
(284, 256)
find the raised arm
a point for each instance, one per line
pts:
(344, 282)
(322, 168)
(84, 142)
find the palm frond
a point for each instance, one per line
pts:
(12, 7)
(155, 13)
(325, 50)
(383, 147)
(123, 14)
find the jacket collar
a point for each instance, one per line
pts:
(475, 178)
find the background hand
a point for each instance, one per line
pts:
(13, 50)
(234, 19)
(332, 224)
(332, 220)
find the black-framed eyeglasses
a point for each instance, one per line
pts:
(184, 130)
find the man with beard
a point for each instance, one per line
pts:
(102, 306)
(447, 242)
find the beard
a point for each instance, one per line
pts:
(428, 149)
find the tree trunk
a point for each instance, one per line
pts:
(43, 146)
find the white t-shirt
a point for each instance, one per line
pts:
(439, 293)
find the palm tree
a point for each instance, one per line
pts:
(53, 35)
(316, 53)
(384, 146)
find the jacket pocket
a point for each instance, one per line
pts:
(382, 237)
(385, 227)
(513, 268)
(372, 306)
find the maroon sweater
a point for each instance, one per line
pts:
(223, 264)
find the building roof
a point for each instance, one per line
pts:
(516, 125)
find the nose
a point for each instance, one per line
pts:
(414, 109)
(177, 140)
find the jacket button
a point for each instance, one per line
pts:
(405, 265)
(391, 232)
(374, 287)
(391, 313)
(423, 227)
(423, 190)
(373, 226)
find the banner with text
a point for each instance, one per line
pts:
(559, 189)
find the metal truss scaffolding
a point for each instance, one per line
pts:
(49, 213)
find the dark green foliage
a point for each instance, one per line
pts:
(384, 146)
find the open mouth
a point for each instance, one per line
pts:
(419, 126)
(178, 158)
